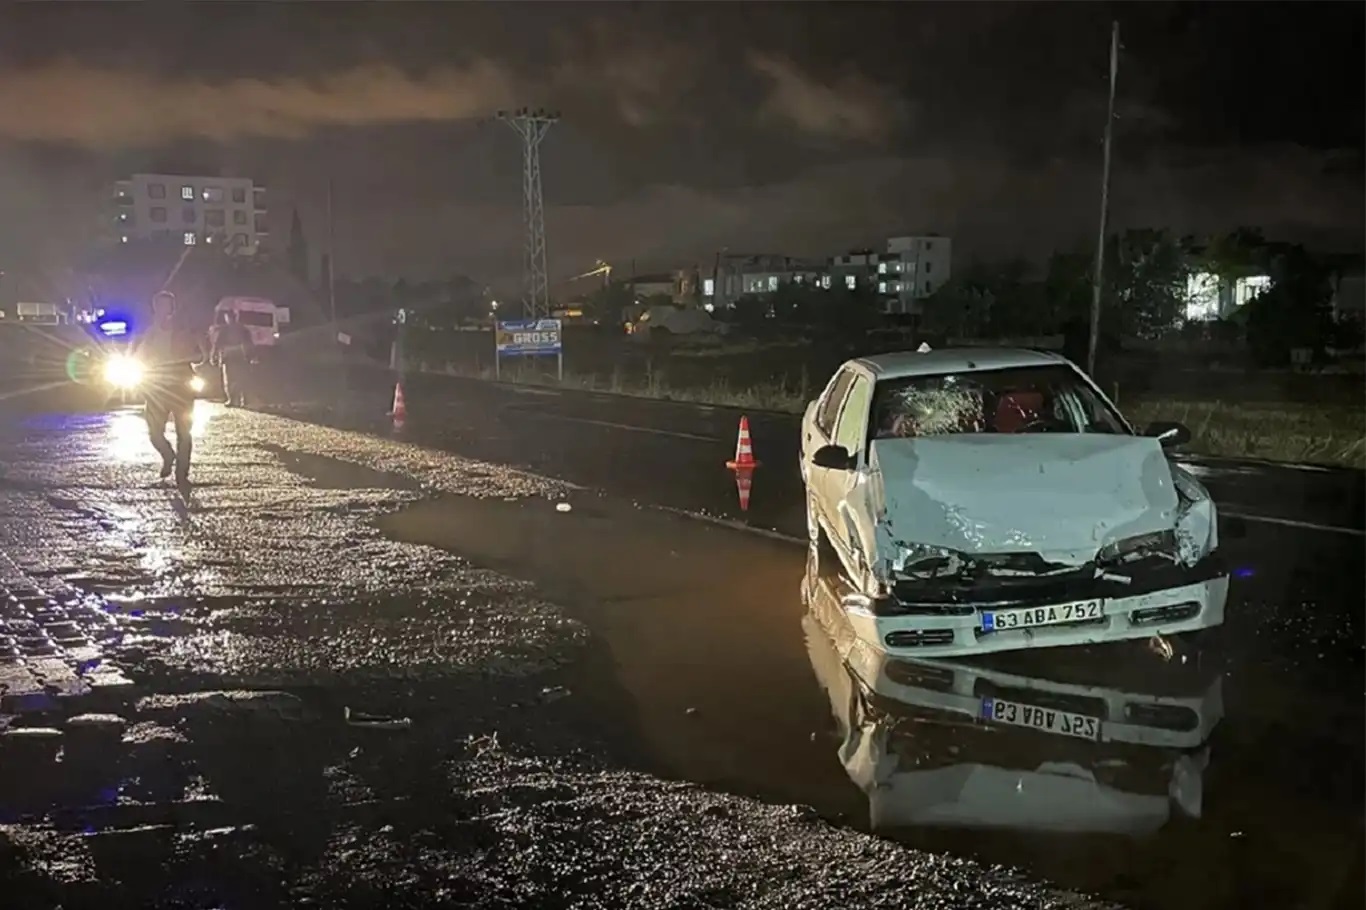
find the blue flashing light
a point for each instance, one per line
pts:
(114, 329)
(1243, 572)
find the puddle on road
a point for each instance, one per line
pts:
(734, 683)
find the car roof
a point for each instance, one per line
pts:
(901, 364)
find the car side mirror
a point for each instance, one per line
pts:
(1169, 433)
(836, 458)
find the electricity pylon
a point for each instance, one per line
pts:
(532, 127)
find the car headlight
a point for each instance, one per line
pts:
(123, 371)
(924, 559)
(1197, 519)
(1140, 546)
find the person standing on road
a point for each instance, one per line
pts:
(170, 355)
(230, 348)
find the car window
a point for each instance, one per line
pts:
(830, 405)
(1046, 399)
(850, 430)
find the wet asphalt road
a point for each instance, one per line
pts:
(1282, 792)
(264, 693)
(674, 453)
(313, 563)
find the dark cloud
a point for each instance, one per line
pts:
(687, 127)
(105, 109)
(849, 106)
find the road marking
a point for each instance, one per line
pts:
(731, 524)
(677, 434)
(1292, 523)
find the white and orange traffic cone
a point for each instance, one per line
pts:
(744, 450)
(400, 411)
(744, 482)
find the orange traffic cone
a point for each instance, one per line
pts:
(744, 450)
(744, 482)
(400, 412)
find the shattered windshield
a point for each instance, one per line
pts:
(1047, 399)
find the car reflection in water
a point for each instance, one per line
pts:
(1066, 741)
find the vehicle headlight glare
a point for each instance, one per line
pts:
(123, 371)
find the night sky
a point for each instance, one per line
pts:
(690, 127)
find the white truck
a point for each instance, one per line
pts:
(261, 317)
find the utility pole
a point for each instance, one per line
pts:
(1104, 205)
(532, 127)
(331, 261)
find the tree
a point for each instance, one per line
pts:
(608, 303)
(298, 249)
(1233, 255)
(1146, 282)
(1295, 312)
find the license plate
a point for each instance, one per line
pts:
(1029, 617)
(1047, 720)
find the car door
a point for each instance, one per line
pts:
(820, 431)
(842, 492)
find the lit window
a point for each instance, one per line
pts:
(798, 278)
(123, 239)
(156, 190)
(773, 282)
(882, 287)
(213, 194)
(896, 266)
(708, 287)
(187, 193)
(189, 238)
(825, 282)
(851, 281)
(1202, 296)
(882, 268)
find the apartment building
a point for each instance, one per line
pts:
(732, 276)
(227, 211)
(907, 271)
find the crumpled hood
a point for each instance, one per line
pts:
(1060, 495)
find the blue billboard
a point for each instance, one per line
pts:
(528, 337)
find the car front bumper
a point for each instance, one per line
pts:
(1192, 601)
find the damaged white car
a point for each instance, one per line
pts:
(991, 500)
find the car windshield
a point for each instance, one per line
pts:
(1045, 399)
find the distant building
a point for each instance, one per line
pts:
(229, 211)
(663, 284)
(909, 270)
(732, 276)
(1348, 279)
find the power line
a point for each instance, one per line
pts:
(532, 127)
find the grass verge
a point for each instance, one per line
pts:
(1291, 432)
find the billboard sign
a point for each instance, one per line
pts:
(528, 337)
